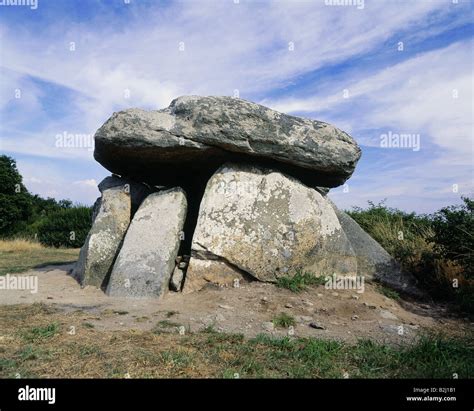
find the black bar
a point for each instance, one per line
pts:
(313, 394)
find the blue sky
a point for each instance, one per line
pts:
(371, 68)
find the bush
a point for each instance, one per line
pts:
(406, 236)
(454, 234)
(436, 249)
(67, 227)
(42, 210)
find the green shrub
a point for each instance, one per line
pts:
(67, 227)
(436, 249)
(404, 235)
(454, 234)
(15, 210)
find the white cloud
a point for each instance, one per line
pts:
(226, 46)
(229, 46)
(86, 183)
(430, 94)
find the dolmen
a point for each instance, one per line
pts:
(219, 191)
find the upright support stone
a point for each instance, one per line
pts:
(264, 223)
(147, 258)
(111, 217)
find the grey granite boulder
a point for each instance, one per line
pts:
(373, 261)
(147, 258)
(111, 217)
(196, 135)
(266, 224)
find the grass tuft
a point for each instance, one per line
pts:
(283, 320)
(37, 334)
(388, 292)
(300, 281)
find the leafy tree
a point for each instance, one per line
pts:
(15, 201)
(54, 223)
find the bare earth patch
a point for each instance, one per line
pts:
(251, 309)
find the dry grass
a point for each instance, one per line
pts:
(88, 353)
(19, 245)
(19, 255)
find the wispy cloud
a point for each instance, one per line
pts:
(75, 69)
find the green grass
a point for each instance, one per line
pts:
(176, 358)
(300, 281)
(283, 320)
(264, 356)
(388, 292)
(36, 334)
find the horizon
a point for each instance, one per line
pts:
(66, 67)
